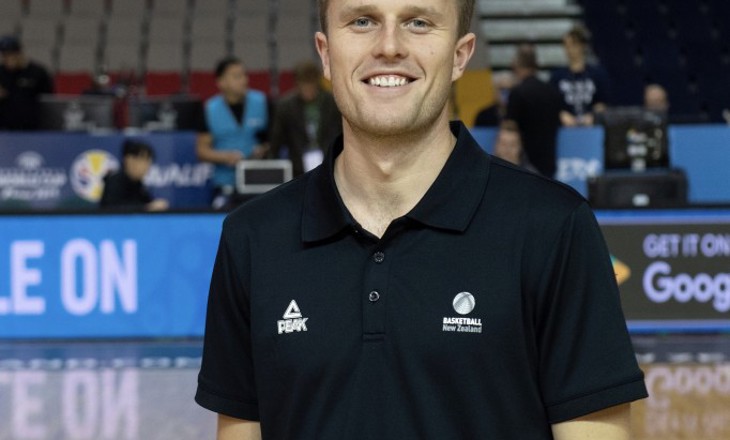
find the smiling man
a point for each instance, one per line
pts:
(413, 287)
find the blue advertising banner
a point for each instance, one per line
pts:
(147, 275)
(702, 151)
(106, 276)
(65, 170)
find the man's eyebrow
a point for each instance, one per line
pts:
(410, 11)
(356, 11)
(422, 11)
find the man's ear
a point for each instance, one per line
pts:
(462, 54)
(320, 40)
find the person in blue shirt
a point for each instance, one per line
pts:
(584, 87)
(234, 126)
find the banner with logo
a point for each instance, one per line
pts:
(673, 271)
(83, 276)
(65, 170)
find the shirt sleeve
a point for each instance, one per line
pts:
(587, 362)
(226, 381)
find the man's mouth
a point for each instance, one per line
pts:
(387, 81)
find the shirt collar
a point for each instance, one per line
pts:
(450, 203)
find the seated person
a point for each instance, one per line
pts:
(508, 146)
(124, 188)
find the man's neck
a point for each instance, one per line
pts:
(382, 178)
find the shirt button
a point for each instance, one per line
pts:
(374, 296)
(378, 257)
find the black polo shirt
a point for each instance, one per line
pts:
(489, 311)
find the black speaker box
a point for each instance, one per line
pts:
(648, 189)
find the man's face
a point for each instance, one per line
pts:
(308, 90)
(233, 82)
(137, 167)
(655, 99)
(12, 60)
(392, 62)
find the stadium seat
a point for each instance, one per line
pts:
(215, 8)
(78, 57)
(169, 8)
(205, 54)
(254, 53)
(252, 7)
(129, 8)
(166, 30)
(40, 30)
(81, 29)
(252, 27)
(164, 56)
(44, 8)
(121, 55)
(12, 9)
(40, 52)
(294, 29)
(208, 28)
(293, 52)
(9, 25)
(124, 30)
(297, 7)
(88, 8)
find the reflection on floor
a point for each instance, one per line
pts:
(144, 390)
(688, 378)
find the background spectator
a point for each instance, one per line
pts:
(655, 98)
(233, 127)
(124, 188)
(585, 87)
(534, 106)
(508, 146)
(306, 121)
(21, 83)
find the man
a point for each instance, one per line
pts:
(508, 146)
(124, 189)
(234, 126)
(584, 87)
(411, 287)
(21, 83)
(306, 121)
(535, 106)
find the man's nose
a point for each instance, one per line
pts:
(391, 42)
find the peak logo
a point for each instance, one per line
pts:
(293, 320)
(622, 271)
(88, 171)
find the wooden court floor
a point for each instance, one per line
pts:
(144, 390)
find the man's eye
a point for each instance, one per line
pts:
(362, 22)
(418, 24)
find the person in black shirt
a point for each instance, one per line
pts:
(585, 87)
(21, 84)
(535, 106)
(413, 287)
(124, 188)
(306, 121)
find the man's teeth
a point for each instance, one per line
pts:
(388, 81)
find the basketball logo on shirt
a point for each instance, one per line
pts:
(464, 303)
(293, 320)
